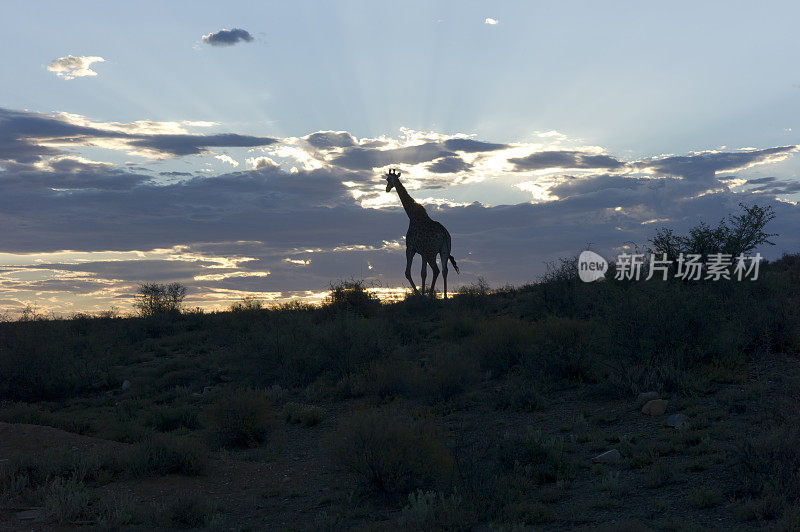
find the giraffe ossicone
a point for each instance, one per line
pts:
(425, 237)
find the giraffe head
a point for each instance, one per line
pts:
(392, 179)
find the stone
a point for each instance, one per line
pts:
(654, 407)
(607, 457)
(30, 514)
(676, 420)
(647, 396)
(126, 385)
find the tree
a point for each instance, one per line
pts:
(155, 298)
(739, 234)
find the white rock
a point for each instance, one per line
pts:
(126, 384)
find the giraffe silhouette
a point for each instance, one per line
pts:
(425, 236)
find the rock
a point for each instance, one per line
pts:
(654, 407)
(30, 514)
(607, 457)
(647, 396)
(126, 385)
(676, 420)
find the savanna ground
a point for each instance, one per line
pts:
(480, 412)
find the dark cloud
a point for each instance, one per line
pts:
(227, 37)
(472, 146)
(447, 165)
(703, 166)
(193, 144)
(22, 134)
(564, 159)
(175, 174)
(773, 186)
(365, 158)
(331, 139)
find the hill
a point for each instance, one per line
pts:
(491, 409)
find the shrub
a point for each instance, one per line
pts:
(65, 500)
(768, 464)
(428, 510)
(192, 511)
(704, 497)
(166, 419)
(520, 395)
(392, 455)
(247, 304)
(352, 296)
(241, 418)
(161, 454)
(308, 415)
(541, 461)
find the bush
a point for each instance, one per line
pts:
(352, 296)
(536, 459)
(428, 510)
(64, 501)
(768, 464)
(247, 304)
(392, 455)
(308, 415)
(162, 454)
(241, 418)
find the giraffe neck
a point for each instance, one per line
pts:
(411, 207)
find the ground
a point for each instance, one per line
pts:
(291, 482)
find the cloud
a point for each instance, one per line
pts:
(331, 139)
(702, 166)
(447, 165)
(227, 37)
(227, 159)
(27, 137)
(71, 67)
(491, 21)
(564, 159)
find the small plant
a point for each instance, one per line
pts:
(241, 418)
(705, 497)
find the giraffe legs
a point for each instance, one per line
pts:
(435, 269)
(444, 271)
(409, 260)
(424, 274)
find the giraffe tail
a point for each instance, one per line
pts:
(454, 264)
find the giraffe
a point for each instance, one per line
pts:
(425, 236)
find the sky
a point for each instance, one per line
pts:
(239, 148)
